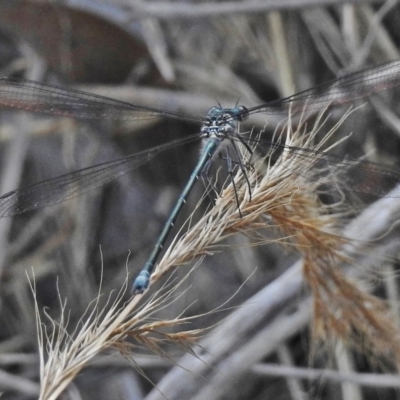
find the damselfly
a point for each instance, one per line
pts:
(220, 125)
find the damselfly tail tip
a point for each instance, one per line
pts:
(141, 283)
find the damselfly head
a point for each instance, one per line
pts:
(239, 113)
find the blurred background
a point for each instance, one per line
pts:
(183, 57)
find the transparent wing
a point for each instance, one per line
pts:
(339, 171)
(56, 100)
(64, 187)
(339, 91)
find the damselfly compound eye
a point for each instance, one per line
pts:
(243, 113)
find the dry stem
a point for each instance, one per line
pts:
(279, 196)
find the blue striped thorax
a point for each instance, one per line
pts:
(221, 122)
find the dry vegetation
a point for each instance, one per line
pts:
(269, 324)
